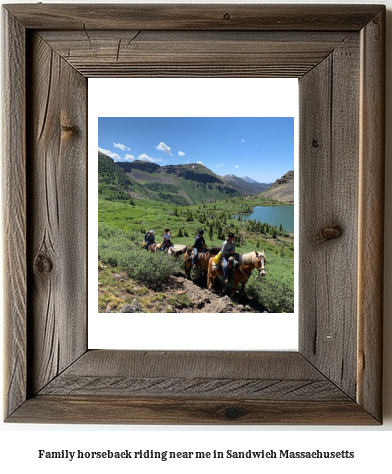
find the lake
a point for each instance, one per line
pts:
(274, 215)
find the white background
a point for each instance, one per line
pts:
(19, 444)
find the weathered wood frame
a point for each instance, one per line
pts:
(337, 52)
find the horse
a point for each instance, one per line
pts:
(247, 262)
(201, 261)
(176, 250)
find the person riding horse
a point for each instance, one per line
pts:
(149, 239)
(166, 240)
(227, 250)
(198, 246)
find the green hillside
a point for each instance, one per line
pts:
(179, 184)
(114, 184)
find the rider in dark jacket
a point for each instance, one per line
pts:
(198, 246)
(149, 238)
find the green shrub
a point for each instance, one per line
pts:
(275, 291)
(150, 268)
(121, 249)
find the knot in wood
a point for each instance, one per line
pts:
(232, 413)
(69, 128)
(43, 264)
(328, 233)
(315, 143)
(227, 16)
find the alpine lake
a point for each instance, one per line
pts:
(273, 215)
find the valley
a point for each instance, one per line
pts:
(136, 197)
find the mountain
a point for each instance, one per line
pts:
(245, 188)
(114, 184)
(177, 184)
(191, 171)
(282, 189)
(184, 184)
(249, 180)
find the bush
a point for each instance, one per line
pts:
(275, 291)
(121, 249)
(150, 268)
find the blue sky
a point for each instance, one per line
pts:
(259, 147)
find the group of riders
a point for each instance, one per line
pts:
(227, 249)
(149, 239)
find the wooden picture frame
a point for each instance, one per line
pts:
(337, 52)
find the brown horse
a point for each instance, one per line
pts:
(247, 262)
(202, 259)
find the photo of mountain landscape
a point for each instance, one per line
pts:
(228, 175)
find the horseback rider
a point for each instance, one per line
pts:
(149, 239)
(227, 250)
(166, 240)
(198, 246)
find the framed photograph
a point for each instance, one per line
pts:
(337, 53)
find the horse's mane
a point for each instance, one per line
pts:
(247, 258)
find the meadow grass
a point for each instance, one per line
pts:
(121, 233)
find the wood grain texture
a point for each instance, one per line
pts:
(103, 409)
(371, 216)
(57, 215)
(208, 364)
(329, 137)
(176, 53)
(195, 17)
(14, 209)
(205, 374)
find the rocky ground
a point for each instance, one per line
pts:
(117, 293)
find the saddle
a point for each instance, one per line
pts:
(232, 264)
(199, 255)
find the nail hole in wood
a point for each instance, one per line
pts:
(227, 16)
(315, 143)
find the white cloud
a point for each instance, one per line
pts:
(181, 153)
(144, 157)
(235, 166)
(200, 163)
(121, 146)
(112, 155)
(163, 147)
(219, 166)
(129, 157)
(243, 141)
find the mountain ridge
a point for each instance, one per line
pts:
(282, 189)
(182, 184)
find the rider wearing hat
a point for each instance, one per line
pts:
(227, 249)
(198, 246)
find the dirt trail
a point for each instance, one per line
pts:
(177, 295)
